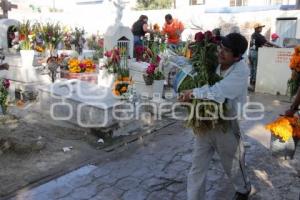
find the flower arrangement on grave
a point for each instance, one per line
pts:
(52, 34)
(285, 127)
(143, 54)
(26, 36)
(293, 82)
(80, 66)
(153, 72)
(204, 63)
(122, 84)
(113, 59)
(78, 39)
(4, 86)
(95, 42)
(155, 41)
(67, 40)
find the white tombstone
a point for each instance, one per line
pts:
(80, 103)
(5, 24)
(118, 35)
(273, 70)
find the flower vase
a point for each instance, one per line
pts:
(158, 87)
(281, 148)
(105, 78)
(27, 57)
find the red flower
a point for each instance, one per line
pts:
(208, 35)
(6, 83)
(199, 37)
(22, 37)
(158, 59)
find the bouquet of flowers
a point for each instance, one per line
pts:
(26, 36)
(96, 43)
(121, 86)
(113, 60)
(293, 82)
(152, 73)
(4, 86)
(204, 63)
(52, 34)
(285, 127)
(80, 66)
(78, 39)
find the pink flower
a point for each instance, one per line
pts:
(158, 59)
(6, 83)
(82, 65)
(150, 69)
(108, 54)
(199, 37)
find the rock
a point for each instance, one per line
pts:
(21, 146)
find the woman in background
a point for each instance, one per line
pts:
(139, 29)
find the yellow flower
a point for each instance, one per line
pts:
(281, 127)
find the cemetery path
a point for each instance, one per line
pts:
(155, 167)
(32, 147)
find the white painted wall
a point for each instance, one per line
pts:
(98, 17)
(272, 70)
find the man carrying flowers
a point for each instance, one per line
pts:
(224, 138)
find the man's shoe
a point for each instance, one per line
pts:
(241, 196)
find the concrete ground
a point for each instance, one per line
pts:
(156, 165)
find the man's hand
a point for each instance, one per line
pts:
(4, 66)
(289, 112)
(186, 96)
(178, 33)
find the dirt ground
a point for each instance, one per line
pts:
(31, 151)
(31, 146)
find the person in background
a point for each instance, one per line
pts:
(257, 41)
(173, 29)
(139, 29)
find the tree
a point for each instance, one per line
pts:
(154, 4)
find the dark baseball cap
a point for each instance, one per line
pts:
(236, 42)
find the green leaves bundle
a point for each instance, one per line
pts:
(203, 113)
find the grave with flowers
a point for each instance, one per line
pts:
(146, 68)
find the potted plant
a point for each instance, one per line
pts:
(26, 43)
(149, 76)
(158, 82)
(52, 34)
(109, 67)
